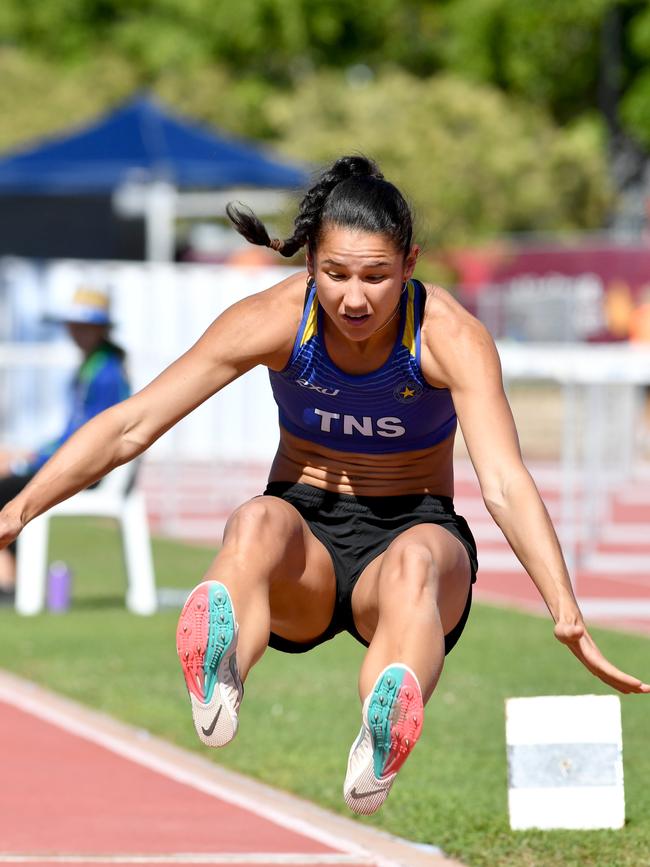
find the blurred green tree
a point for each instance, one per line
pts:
(558, 55)
(277, 38)
(473, 162)
(577, 59)
(38, 98)
(546, 52)
(635, 105)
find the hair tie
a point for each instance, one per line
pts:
(276, 244)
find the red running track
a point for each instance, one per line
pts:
(68, 794)
(75, 792)
(79, 788)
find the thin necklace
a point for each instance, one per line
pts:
(393, 314)
(389, 320)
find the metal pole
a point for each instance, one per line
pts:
(160, 210)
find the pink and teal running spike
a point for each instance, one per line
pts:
(205, 631)
(395, 715)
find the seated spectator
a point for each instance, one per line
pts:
(99, 382)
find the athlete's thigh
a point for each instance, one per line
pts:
(452, 576)
(278, 544)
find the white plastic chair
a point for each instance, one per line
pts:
(114, 497)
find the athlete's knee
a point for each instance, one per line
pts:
(259, 521)
(410, 569)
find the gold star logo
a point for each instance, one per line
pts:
(408, 392)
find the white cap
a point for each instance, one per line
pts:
(89, 305)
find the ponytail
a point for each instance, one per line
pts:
(363, 200)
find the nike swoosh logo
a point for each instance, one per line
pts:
(207, 732)
(357, 795)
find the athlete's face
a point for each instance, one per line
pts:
(360, 276)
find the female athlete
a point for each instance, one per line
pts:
(356, 530)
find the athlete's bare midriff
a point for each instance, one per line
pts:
(427, 471)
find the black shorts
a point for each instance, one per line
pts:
(355, 530)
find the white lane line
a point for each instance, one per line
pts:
(635, 609)
(623, 534)
(303, 860)
(499, 561)
(628, 564)
(627, 533)
(141, 756)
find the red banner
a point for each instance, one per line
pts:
(587, 292)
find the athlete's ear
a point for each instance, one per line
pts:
(309, 258)
(410, 261)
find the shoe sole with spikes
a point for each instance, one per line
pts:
(392, 723)
(206, 643)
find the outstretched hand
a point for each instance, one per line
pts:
(582, 645)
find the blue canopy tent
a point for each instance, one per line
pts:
(56, 195)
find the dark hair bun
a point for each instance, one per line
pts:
(355, 166)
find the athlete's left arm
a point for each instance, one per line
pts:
(461, 354)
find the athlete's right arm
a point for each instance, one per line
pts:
(258, 330)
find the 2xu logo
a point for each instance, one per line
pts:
(332, 392)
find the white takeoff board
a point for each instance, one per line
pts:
(565, 762)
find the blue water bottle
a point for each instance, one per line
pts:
(59, 581)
